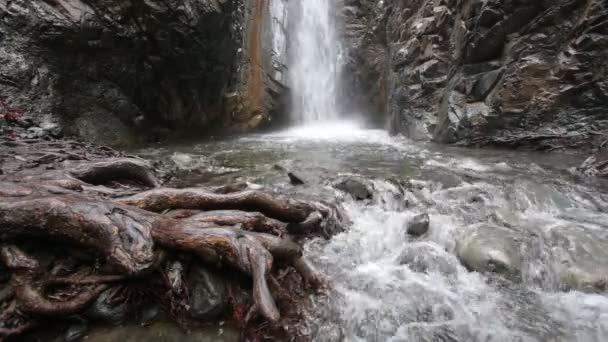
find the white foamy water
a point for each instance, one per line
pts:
(314, 62)
(389, 286)
(335, 132)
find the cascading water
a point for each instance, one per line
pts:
(386, 285)
(314, 65)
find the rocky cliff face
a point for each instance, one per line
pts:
(101, 69)
(484, 72)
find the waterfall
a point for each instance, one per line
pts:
(314, 62)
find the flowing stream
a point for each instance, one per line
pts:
(389, 286)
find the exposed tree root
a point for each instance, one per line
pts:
(117, 169)
(113, 240)
(250, 221)
(276, 207)
(30, 299)
(252, 253)
(120, 235)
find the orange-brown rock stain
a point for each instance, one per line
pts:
(254, 88)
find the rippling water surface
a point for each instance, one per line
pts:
(388, 286)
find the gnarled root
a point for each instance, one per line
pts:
(116, 169)
(311, 277)
(126, 236)
(121, 235)
(249, 221)
(28, 293)
(249, 252)
(276, 207)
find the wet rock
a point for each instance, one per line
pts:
(489, 17)
(426, 257)
(596, 165)
(418, 225)
(581, 255)
(490, 248)
(76, 332)
(208, 296)
(279, 168)
(110, 307)
(149, 313)
(295, 180)
(194, 63)
(358, 189)
(505, 73)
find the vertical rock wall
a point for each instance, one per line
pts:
(114, 71)
(504, 72)
(261, 88)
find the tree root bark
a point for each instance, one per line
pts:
(249, 221)
(29, 294)
(276, 207)
(119, 234)
(116, 169)
(76, 206)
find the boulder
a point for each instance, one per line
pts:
(356, 188)
(490, 248)
(418, 225)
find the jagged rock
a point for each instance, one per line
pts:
(596, 165)
(110, 70)
(489, 248)
(489, 17)
(489, 72)
(418, 225)
(356, 188)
